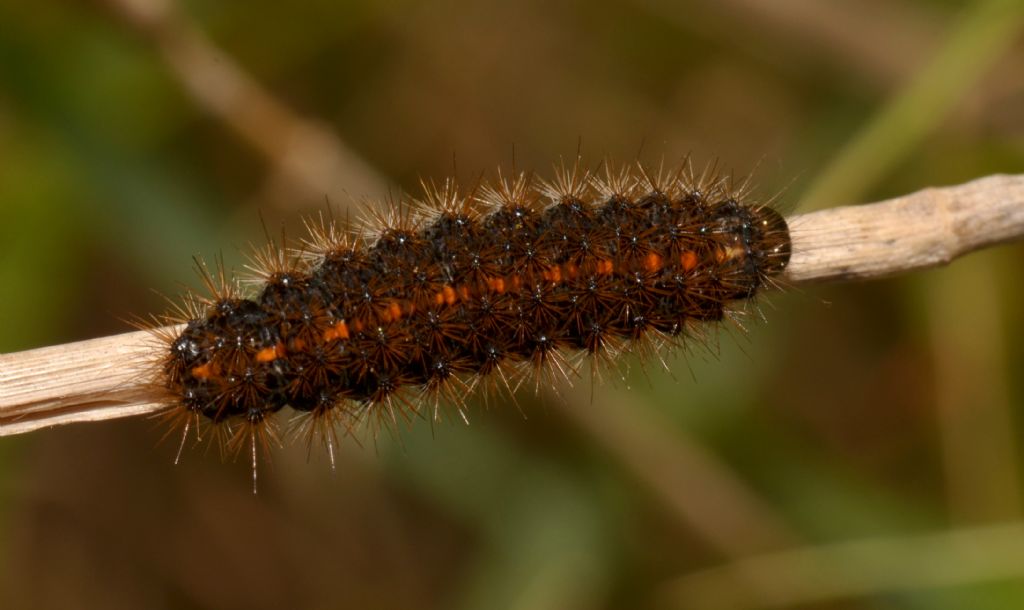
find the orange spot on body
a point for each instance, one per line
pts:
(449, 294)
(605, 266)
(390, 313)
(338, 331)
(653, 262)
(203, 371)
(571, 270)
(553, 274)
(464, 293)
(688, 259)
(269, 354)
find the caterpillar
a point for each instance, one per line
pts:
(461, 288)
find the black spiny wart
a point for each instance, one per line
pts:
(459, 289)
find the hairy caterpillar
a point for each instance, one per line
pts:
(455, 288)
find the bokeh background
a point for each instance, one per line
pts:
(858, 449)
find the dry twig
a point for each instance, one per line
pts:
(102, 378)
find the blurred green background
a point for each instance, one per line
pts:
(858, 450)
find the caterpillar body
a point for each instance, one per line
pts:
(496, 283)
